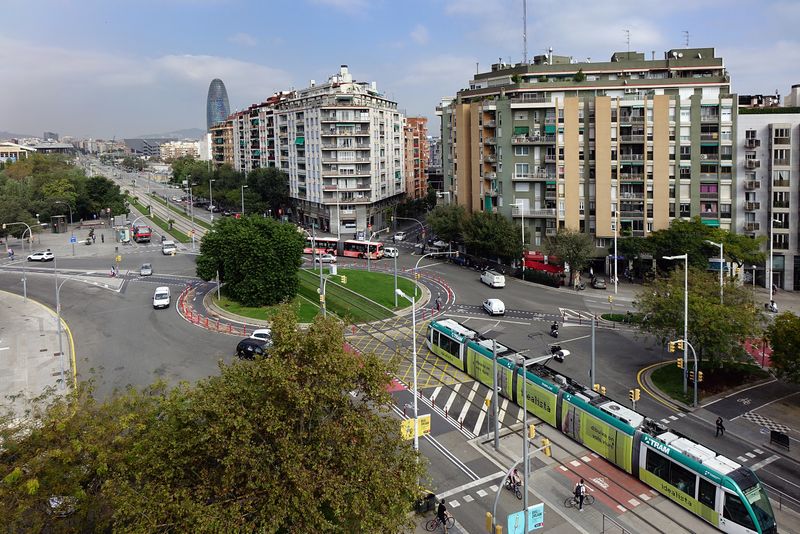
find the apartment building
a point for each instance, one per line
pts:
(768, 142)
(179, 149)
(415, 135)
(341, 143)
(624, 145)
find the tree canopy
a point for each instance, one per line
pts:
(572, 247)
(716, 330)
(299, 441)
(784, 339)
(492, 235)
(257, 259)
(447, 222)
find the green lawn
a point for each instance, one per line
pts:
(161, 223)
(180, 212)
(669, 379)
(306, 310)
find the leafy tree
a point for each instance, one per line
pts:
(572, 247)
(715, 330)
(257, 259)
(187, 167)
(272, 186)
(430, 198)
(447, 222)
(274, 445)
(784, 338)
(132, 163)
(492, 235)
(579, 76)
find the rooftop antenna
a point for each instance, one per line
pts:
(525, 31)
(628, 40)
(477, 68)
(686, 38)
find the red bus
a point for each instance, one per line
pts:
(324, 245)
(358, 249)
(141, 234)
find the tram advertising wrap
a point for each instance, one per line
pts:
(602, 437)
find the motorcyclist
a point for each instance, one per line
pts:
(514, 479)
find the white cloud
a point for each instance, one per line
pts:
(348, 6)
(763, 69)
(244, 39)
(420, 34)
(432, 73)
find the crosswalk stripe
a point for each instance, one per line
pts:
(467, 404)
(482, 415)
(452, 397)
(503, 407)
(435, 394)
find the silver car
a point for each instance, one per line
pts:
(146, 270)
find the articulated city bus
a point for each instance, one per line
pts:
(360, 249)
(321, 245)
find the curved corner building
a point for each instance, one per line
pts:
(217, 106)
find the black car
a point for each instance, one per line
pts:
(249, 348)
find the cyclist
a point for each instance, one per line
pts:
(514, 478)
(442, 515)
(580, 494)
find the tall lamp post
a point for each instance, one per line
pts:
(720, 246)
(58, 318)
(24, 275)
(772, 222)
(685, 258)
(211, 198)
(521, 207)
(369, 268)
(68, 207)
(243, 188)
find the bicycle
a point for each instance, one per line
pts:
(434, 523)
(515, 488)
(572, 501)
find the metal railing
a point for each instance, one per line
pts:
(622, 529)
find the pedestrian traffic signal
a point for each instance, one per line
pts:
(546, 447)
(671, 346)
(632, 395)
(637, 394)
(679, 344)
(344, 279)
(679, 361)
(699, 376)
(322, 298)
(596, 387)
(691, 376)
(531, 431)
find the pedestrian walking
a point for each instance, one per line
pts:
(580, 494)
(102, 238)
(720, 428)
(438, 304)
(94, 238)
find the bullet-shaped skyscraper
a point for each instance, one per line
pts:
(217, 106)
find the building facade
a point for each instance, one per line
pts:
(415, 136)
(340, 143)
(179, 149)
(603, 147)
(11, 152)
(217, 106)
(768, 163)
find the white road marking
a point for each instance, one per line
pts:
(762, 463)
(467, 404)
(482, 415)
(452, 397)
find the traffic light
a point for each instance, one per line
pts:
(546, 447)
(637, 394)
(679, 344)
(322, 298)
(699, 376)
(344, 279)
(531, 431)
(671, 346)
(680, 363)
(632, 395)
(596, 387)
(691, 376)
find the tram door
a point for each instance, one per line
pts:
(735, 518)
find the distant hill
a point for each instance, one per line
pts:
(5, 136)
(188, 133)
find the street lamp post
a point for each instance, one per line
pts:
(68, 206)
(243, 188)
(720, 246)
(24, 271)
(211, 198)
(369, 268)
(772, 222)
(58, 319)
(521, 207)
(685, 258)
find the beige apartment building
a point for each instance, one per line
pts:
(624, 145)
(415, 135)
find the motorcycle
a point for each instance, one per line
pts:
(554, 330)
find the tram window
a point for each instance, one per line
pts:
(449, 345)
(735, 511)
(657, 464)
(682, 478)
(707, 494)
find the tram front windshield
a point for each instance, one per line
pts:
(759, 501)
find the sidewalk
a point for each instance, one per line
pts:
(30, 360)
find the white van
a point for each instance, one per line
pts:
(161, 297)
(168, 247)
(390, 252)
(493, 279)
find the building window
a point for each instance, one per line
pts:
(685, 210)
(521, 150)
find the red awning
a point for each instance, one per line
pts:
(546, 267)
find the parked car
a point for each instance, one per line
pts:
(161, 297)
(493, 279)
(146, 269)
(249, 348)
(400, 236)
(325, 258)
(494, 307)
(263, 334)
(599, 283)
(391, 252)
(42, 255)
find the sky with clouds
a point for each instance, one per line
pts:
(113, 68)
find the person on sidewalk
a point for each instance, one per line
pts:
(441, 513)
(438, 304)
(720, 427)
(580, 494)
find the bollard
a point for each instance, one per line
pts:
(354, 329)
(244, 329)
(217, 324)
(433, 402)
(206, 322)
(461, 424)
(445, 412)
(404, 410)
(229, 328)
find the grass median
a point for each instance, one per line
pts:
(180, 212)
(158, 221)
(306, 310)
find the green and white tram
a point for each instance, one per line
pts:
(711, 486)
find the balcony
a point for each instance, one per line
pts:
(782, 162)
(490, 141)
(632, 213)
(489, 124)
(709, 117)
(752, 227)
(535, 175)
(534, 213)
(781, 141)
(550, 195)
(752, 143)
(752, 185)
(333, 132)
(632, 195)
(631, 138)
(528, 98)
(550, 232)
(631, 119)
(709, 195)
(713, 156)
(709, 136)
(490, 158)
(752, 164)
(710, 215)
(631, 176)
(549, 158)
(752, 206)
(780, 204)
(631, 157)
(781, 183)
(533, 139)
(332, 160)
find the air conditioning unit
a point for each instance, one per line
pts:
(703, 156)
(630, 91)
